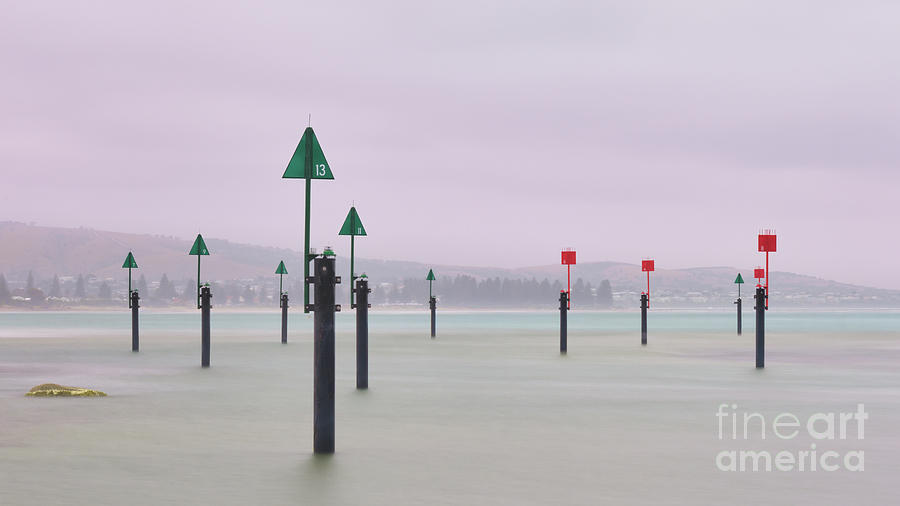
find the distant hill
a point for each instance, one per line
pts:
(49, 251)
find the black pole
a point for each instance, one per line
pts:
(644, 302)
(362, 333)
(760, 327)
(563, 321)
(205, 297)
(432, 302)
(323, 367)
(739, 314)
(284, 308)
(134, 320)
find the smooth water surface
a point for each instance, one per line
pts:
(51, 323)
(487, 413)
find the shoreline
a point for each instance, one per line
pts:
(449, 309)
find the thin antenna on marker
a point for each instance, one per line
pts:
(309, 120)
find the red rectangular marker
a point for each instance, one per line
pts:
(767, 243)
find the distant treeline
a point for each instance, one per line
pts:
(458, 291)
(467, 291)
(86, 290)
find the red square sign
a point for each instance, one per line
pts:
(647, 265)
(759, 273)
(568, 257)
(767, 242)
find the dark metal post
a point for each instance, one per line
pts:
(760, 327)
(205, 297)
(739, 314)
(362, 333)
(284, 308)
(563, 321)
(432, 302)
(134, 298)
(323, 367)
(307, 258)
(644, 302)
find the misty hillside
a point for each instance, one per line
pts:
(49, 251)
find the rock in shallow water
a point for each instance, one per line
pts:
(54, 390)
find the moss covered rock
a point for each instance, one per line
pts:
(54, 390)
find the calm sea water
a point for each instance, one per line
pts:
(487, 413)
(50, 323)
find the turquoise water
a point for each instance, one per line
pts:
(487, 413)
(661, 320)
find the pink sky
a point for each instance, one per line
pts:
(476, 134)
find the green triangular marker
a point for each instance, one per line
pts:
(308, 155)
(353, 227)
(308, 162)
(352, 224)
(199, 247)
(281, 271)
(430, 275)
(739, 279)
(129, 262)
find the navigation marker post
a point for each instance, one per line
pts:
(199, 248)
(282, 300)
(432, 302)
(353, 227)
(359, 299)
(205, 306)
(565, 300)
(760, 308)
(563, 321)
(647, 266)
(739, 281)
(568, 259)
(766, 243)
(133, 303)
(323, 351)
(308, 162)
(362, 331)
(203, 300)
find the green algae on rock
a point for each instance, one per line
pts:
(54, 390)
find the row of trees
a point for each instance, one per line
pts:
(30, 293)
(166, 292)
(467, 291)
(461, 291)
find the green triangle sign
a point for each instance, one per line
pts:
(430, 275)
(352, 225)
(739, 279)
(308, 159)
(199, 247)
(281, 268)
(129, 262)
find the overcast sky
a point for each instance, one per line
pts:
(477, 134)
